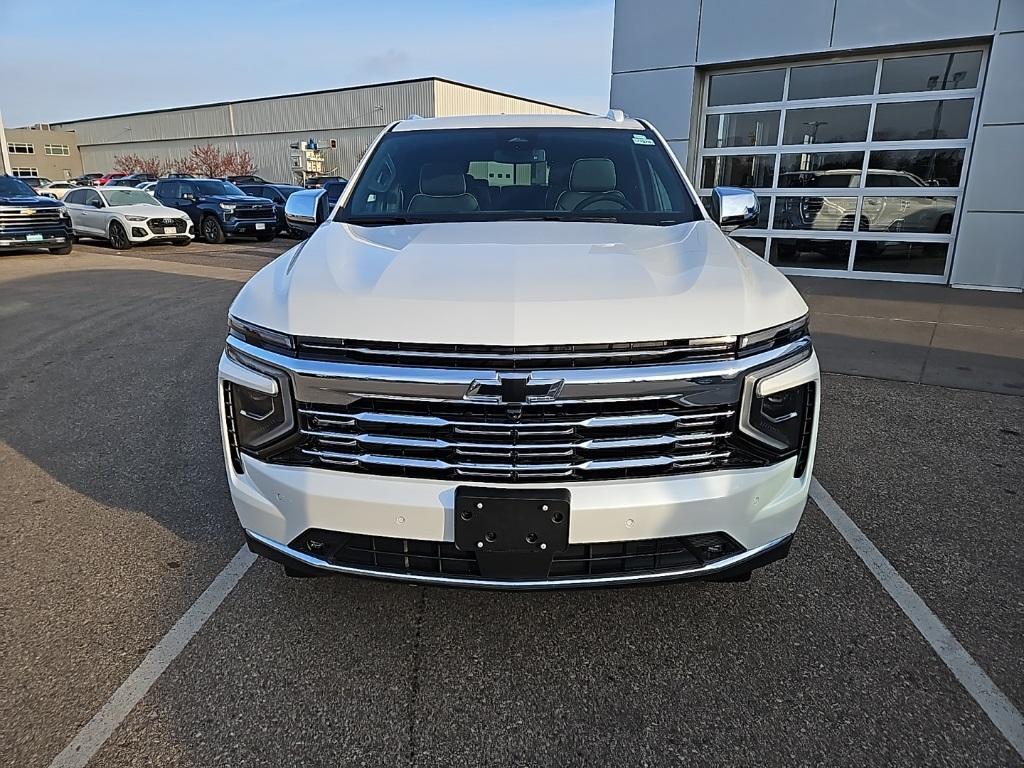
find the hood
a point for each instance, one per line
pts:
(31, 201)
(511, 283)
(237, 200)
(149, 210)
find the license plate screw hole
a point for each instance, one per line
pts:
(491, 536)
(531, 538)
(557, 517)
(466, 514)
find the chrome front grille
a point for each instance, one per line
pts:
(530, 442)
(530, 358)
(14, 222)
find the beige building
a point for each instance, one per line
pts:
(43, 151)
(266, 128)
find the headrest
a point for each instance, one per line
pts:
(442, 180)
(592, 174)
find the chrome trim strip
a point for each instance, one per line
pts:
(707, 383)
(475, 581)
(516, 357)
(526, 428)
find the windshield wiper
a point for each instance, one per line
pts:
(381, 221)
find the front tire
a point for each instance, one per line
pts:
(63, 250)
(212, 231)
(118, 237)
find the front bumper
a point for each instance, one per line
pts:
(46, 239)
(758, 508)
(234, 226)
(143, 233)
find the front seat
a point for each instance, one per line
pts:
(591, 176)
(442, 190)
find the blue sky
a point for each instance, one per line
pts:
(167, 54)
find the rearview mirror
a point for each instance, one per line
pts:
(732, 207)
(303, 210)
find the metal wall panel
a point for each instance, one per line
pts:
(174, 124)
(663, 96)
(452, 99)
(989, 250)
(371, 106)
(651, 34)
(892, 22)
(1004, 86)
(742, 30)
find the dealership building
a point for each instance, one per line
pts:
(884, 138)
(342, 121)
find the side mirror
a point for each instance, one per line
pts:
(303, 210)
(97, 203)
(188, 196)
(732, 207)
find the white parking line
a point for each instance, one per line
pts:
(94, 734)
(1000, 710)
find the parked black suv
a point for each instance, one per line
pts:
(275, 193)
(30, 221)
(219, 208)
(131, 180)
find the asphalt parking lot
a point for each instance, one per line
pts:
(115, 517)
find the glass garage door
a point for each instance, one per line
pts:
(859, 164)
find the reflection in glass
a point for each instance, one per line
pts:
(937, 72)
(826, 125)
(908, 214)
(756, 244)
(746, 87)
(738, 171)
(742, 129)
(908, 120)
(915, 167)
(809, 253)
(821, 169)
(834, 214)
(893, 256)
(854, 78)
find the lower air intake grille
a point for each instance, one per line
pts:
(229, 418)
(412, 556)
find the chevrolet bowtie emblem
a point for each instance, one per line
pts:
(27, 211)
(514, 388)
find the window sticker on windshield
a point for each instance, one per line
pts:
(639, 138)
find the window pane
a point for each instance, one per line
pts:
(826, 125)
(823, 213)
(915, 168)
(742, 129)
(907, 120)
(855, 78)
(738, 171)
(938, 72)
(908, 214)
(746, 87)
(909, 258)
(756, 244)
(821, 169)
(810, 254)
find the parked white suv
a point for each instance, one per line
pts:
(519, 354)
(126, 216)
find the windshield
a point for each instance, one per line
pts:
(12, 187)
(207, 188)
(128, 196)
(496, 174)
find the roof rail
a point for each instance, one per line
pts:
(616, 114)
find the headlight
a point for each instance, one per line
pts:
(135, 218)
(773, 337)
(62, 212)
(260, 414)
(777, 410)
(227, 207)
(260, 336)
(778, 419)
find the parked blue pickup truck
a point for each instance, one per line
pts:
(219, 208)
(30, 221)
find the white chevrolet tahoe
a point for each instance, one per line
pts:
(519, 353)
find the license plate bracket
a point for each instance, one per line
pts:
(514, 532)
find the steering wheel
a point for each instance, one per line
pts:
(601, 197)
